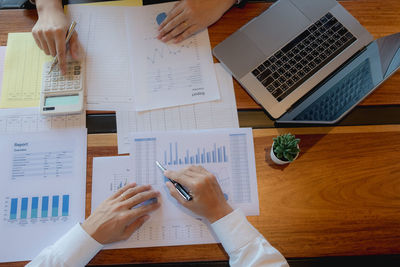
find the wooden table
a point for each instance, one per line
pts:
(340, 197)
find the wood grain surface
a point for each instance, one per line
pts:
(380, 18)
(340, 197)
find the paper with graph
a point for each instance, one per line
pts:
(109, 174)
(220, 113)
(227, 153)
(42, 192)
(167, 75)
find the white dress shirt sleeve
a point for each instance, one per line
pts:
(75, 248)
(244, 244)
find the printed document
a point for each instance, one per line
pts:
(214, 114)
(167, 75)
(227, 153)
(29, 120)
(128, 68)
(102, 33)
(42, 189)
(23, 67)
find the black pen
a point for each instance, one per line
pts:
(178, 186)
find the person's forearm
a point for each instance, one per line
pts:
(48, 6)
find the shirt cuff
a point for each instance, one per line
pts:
(77, 247)
(234, 231)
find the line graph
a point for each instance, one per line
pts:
(161, 53)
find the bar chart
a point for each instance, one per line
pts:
(25, 209)
(201, 155)
(225, 153)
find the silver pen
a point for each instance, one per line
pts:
(177, 185)
(71, 30)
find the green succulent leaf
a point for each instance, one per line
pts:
(286, 147)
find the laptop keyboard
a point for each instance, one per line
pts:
(341, 97)
(296, 62)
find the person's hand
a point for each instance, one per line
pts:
(208, 200)
(50, 32)
(191, 16)
(117, 217)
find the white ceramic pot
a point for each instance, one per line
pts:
(279, 161)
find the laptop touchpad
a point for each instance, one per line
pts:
(275, 27)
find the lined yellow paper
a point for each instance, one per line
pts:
(22, 72)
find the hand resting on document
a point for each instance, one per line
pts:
(191, 16)
(118, 217)
(208, 200)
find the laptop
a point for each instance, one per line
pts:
(340, 92)
(284, 53)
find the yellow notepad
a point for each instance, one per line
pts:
(22, 72)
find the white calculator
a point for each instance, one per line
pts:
(62, 94)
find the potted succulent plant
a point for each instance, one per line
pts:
(285, 149)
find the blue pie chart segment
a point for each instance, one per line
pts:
(161, 17)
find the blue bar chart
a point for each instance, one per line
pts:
(201, 155)
(65, 205)
(13, 210)
(45, 206)
(54, 206)
(25, 208)
(34, 209)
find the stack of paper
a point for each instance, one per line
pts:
(215, 114)
(129, 68)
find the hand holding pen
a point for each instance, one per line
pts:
(50, 32)
(207, 197)
(70, 32)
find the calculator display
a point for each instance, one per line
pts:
(61, 100)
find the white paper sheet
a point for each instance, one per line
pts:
(42, 192)
(167, 75)
(2, 57)
(29, 120)
(102, 32)
(109, 174)
(215, 114)
(173, 224)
